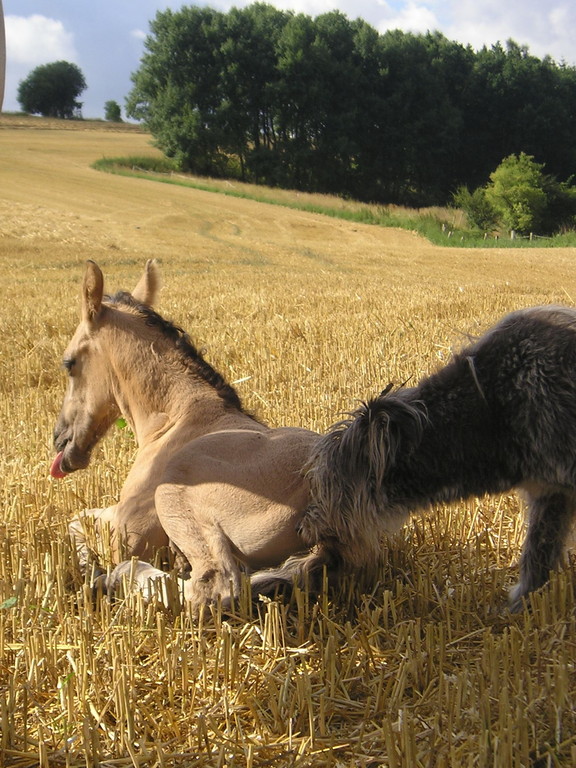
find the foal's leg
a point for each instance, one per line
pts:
(137, 576)
(90, 520)
(214, 569)
(215, 572)
(550, 516)
(127, 530)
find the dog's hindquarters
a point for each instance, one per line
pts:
(550, 515)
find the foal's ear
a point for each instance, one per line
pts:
(92, 291)
(148, 285)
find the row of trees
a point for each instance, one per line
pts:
(329, 104)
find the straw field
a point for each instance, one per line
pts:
(308, 314)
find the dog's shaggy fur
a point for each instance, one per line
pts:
(500, 415)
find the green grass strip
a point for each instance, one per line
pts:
(434, 229)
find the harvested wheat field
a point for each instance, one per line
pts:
(307, 315)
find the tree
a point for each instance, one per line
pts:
(112, 112)
(516, 192)
(249, 85)
(516, 103)
(477, 208)
(520, 197)
(52, 90)
(561, 205)
(315, 66)
(421, 122)
(177, 90)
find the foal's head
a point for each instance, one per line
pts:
(89, 406)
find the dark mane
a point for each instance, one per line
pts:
(197, 364)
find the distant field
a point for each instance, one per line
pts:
(33, 122)
(309, 314)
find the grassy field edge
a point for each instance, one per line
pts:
(441, 226)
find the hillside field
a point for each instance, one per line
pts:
(308, 314)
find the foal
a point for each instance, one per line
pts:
(223, 488)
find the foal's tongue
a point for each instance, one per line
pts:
(56, 468)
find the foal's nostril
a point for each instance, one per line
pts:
(61, 438)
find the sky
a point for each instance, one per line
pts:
(105, 38)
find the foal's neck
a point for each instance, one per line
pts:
(170, 396)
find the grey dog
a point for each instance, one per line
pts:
(500, 415)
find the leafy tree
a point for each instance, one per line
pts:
(337, 113)
(372, 152)
(52, 90)
(477, 208)
(113, 112)
(561, 205)
(520, 197)
(516, 192)
(516, 103)
(317, 105)
(297, 99)
(421, 126)
(177, 90)
(249, 83)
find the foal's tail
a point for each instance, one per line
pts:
(348, 474)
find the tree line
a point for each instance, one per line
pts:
(329, 104)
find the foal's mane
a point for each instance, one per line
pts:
(193, 358)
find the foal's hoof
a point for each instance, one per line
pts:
(100, 585)
(155, 586)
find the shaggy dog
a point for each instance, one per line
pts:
(500, 415)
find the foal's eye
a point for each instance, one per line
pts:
(68, 364)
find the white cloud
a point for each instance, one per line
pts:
(33, 40)
(547, 28)
(138, 34)
(560, 18)
(79, 31)
(410, 16)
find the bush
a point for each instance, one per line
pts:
(516, 192)
(112, 112)
(561, 207)
(477, 208)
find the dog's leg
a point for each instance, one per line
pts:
(550, 517)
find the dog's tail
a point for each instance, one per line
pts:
(306, 570)
(349, 472)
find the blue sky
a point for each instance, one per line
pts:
(105, 37)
